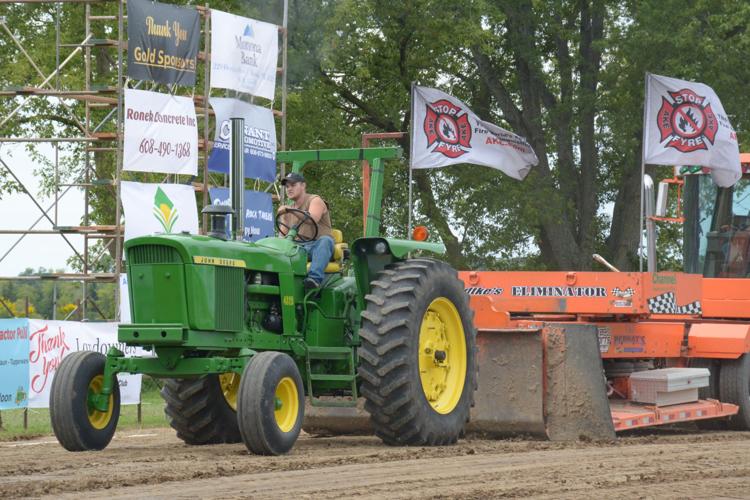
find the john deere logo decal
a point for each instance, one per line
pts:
(444, 127)
(164, 210)
(687, 122)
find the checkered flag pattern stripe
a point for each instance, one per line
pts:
(618, 292)
(666, 304)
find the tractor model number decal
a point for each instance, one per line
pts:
(479, 290)
(558, 291)
(288, 300)
(218, 261)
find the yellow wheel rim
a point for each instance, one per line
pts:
(286, 404)
(230, 385)
(99, 419)
(442, 355)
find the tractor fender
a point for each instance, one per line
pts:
(718, 340)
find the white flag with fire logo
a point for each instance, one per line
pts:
(446, 132)
(685, 124)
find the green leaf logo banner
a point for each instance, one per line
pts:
(164, 210)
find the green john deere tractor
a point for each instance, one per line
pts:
(241, 343)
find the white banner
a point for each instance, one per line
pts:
(158, 208)
(161, 133)
(446, 132)
(685, 124)
(244, 54)
(124, 299)
(51, 341)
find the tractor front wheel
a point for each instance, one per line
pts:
(417, 360)
(77, 424)
(271, 404)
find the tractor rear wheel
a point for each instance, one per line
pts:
(201, 409)
(417, 360)
(734, 386)
(271, 403)
(77, 424)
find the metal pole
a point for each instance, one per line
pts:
(118, 162)
(643, 172)
(284, 45)
(411, 158)
(237, 177)
(206, 97)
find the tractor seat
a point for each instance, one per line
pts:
(340, 253)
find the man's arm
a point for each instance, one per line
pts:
(317, 208)
(284, 216)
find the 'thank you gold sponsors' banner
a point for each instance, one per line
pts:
(244, 54)
(162, 42)
(161, 133)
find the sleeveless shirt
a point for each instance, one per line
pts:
(306, 229)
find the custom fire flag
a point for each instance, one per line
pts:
(685, 124)
(445, 132)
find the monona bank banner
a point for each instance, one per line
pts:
(161, 133)
(244, 54)
(158, 208)
(260, 138)
(162, 42)
(258, 212)
(37, 347)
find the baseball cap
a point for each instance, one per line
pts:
(292, 177)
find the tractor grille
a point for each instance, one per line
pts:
(153, 254)
(230, 298)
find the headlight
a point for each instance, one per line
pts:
(380, 247)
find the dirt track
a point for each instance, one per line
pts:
(153, 463)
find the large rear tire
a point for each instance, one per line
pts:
(734, 387)
(200, 409)
(79, 426)
(271, 404)
(417, 360)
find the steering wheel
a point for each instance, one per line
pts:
(304, 218)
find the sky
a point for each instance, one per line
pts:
(19, 212)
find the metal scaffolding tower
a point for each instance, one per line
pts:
(94, 108)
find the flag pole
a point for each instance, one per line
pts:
(411, 160)
(644, 141)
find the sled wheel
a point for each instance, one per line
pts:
(200, 409)
(709, 392)
(77, 424)
(270, 404)
(417, 360)
(734, 387)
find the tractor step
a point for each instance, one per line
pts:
(349, 379)
(628, 415)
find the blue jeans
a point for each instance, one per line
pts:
(319, 253)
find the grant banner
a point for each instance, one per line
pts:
(260, 138)
(162, 42)
(161, 133)
(51, 341)
(14, 363)
(244, 54)
(258, 212)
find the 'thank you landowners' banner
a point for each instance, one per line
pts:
(244, 54)
(51, 341)
(14, 363)
(158, 208)
(258, 212)
(161, 133)
(162, 42)
(260, 138)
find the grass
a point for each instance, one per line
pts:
(152, 415)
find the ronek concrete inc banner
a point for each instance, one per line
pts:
(162, 42)
(161, 133)
(260, 138)
(244, 54)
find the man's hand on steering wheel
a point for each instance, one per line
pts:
(304, 217)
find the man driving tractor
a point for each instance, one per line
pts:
(307, 212)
